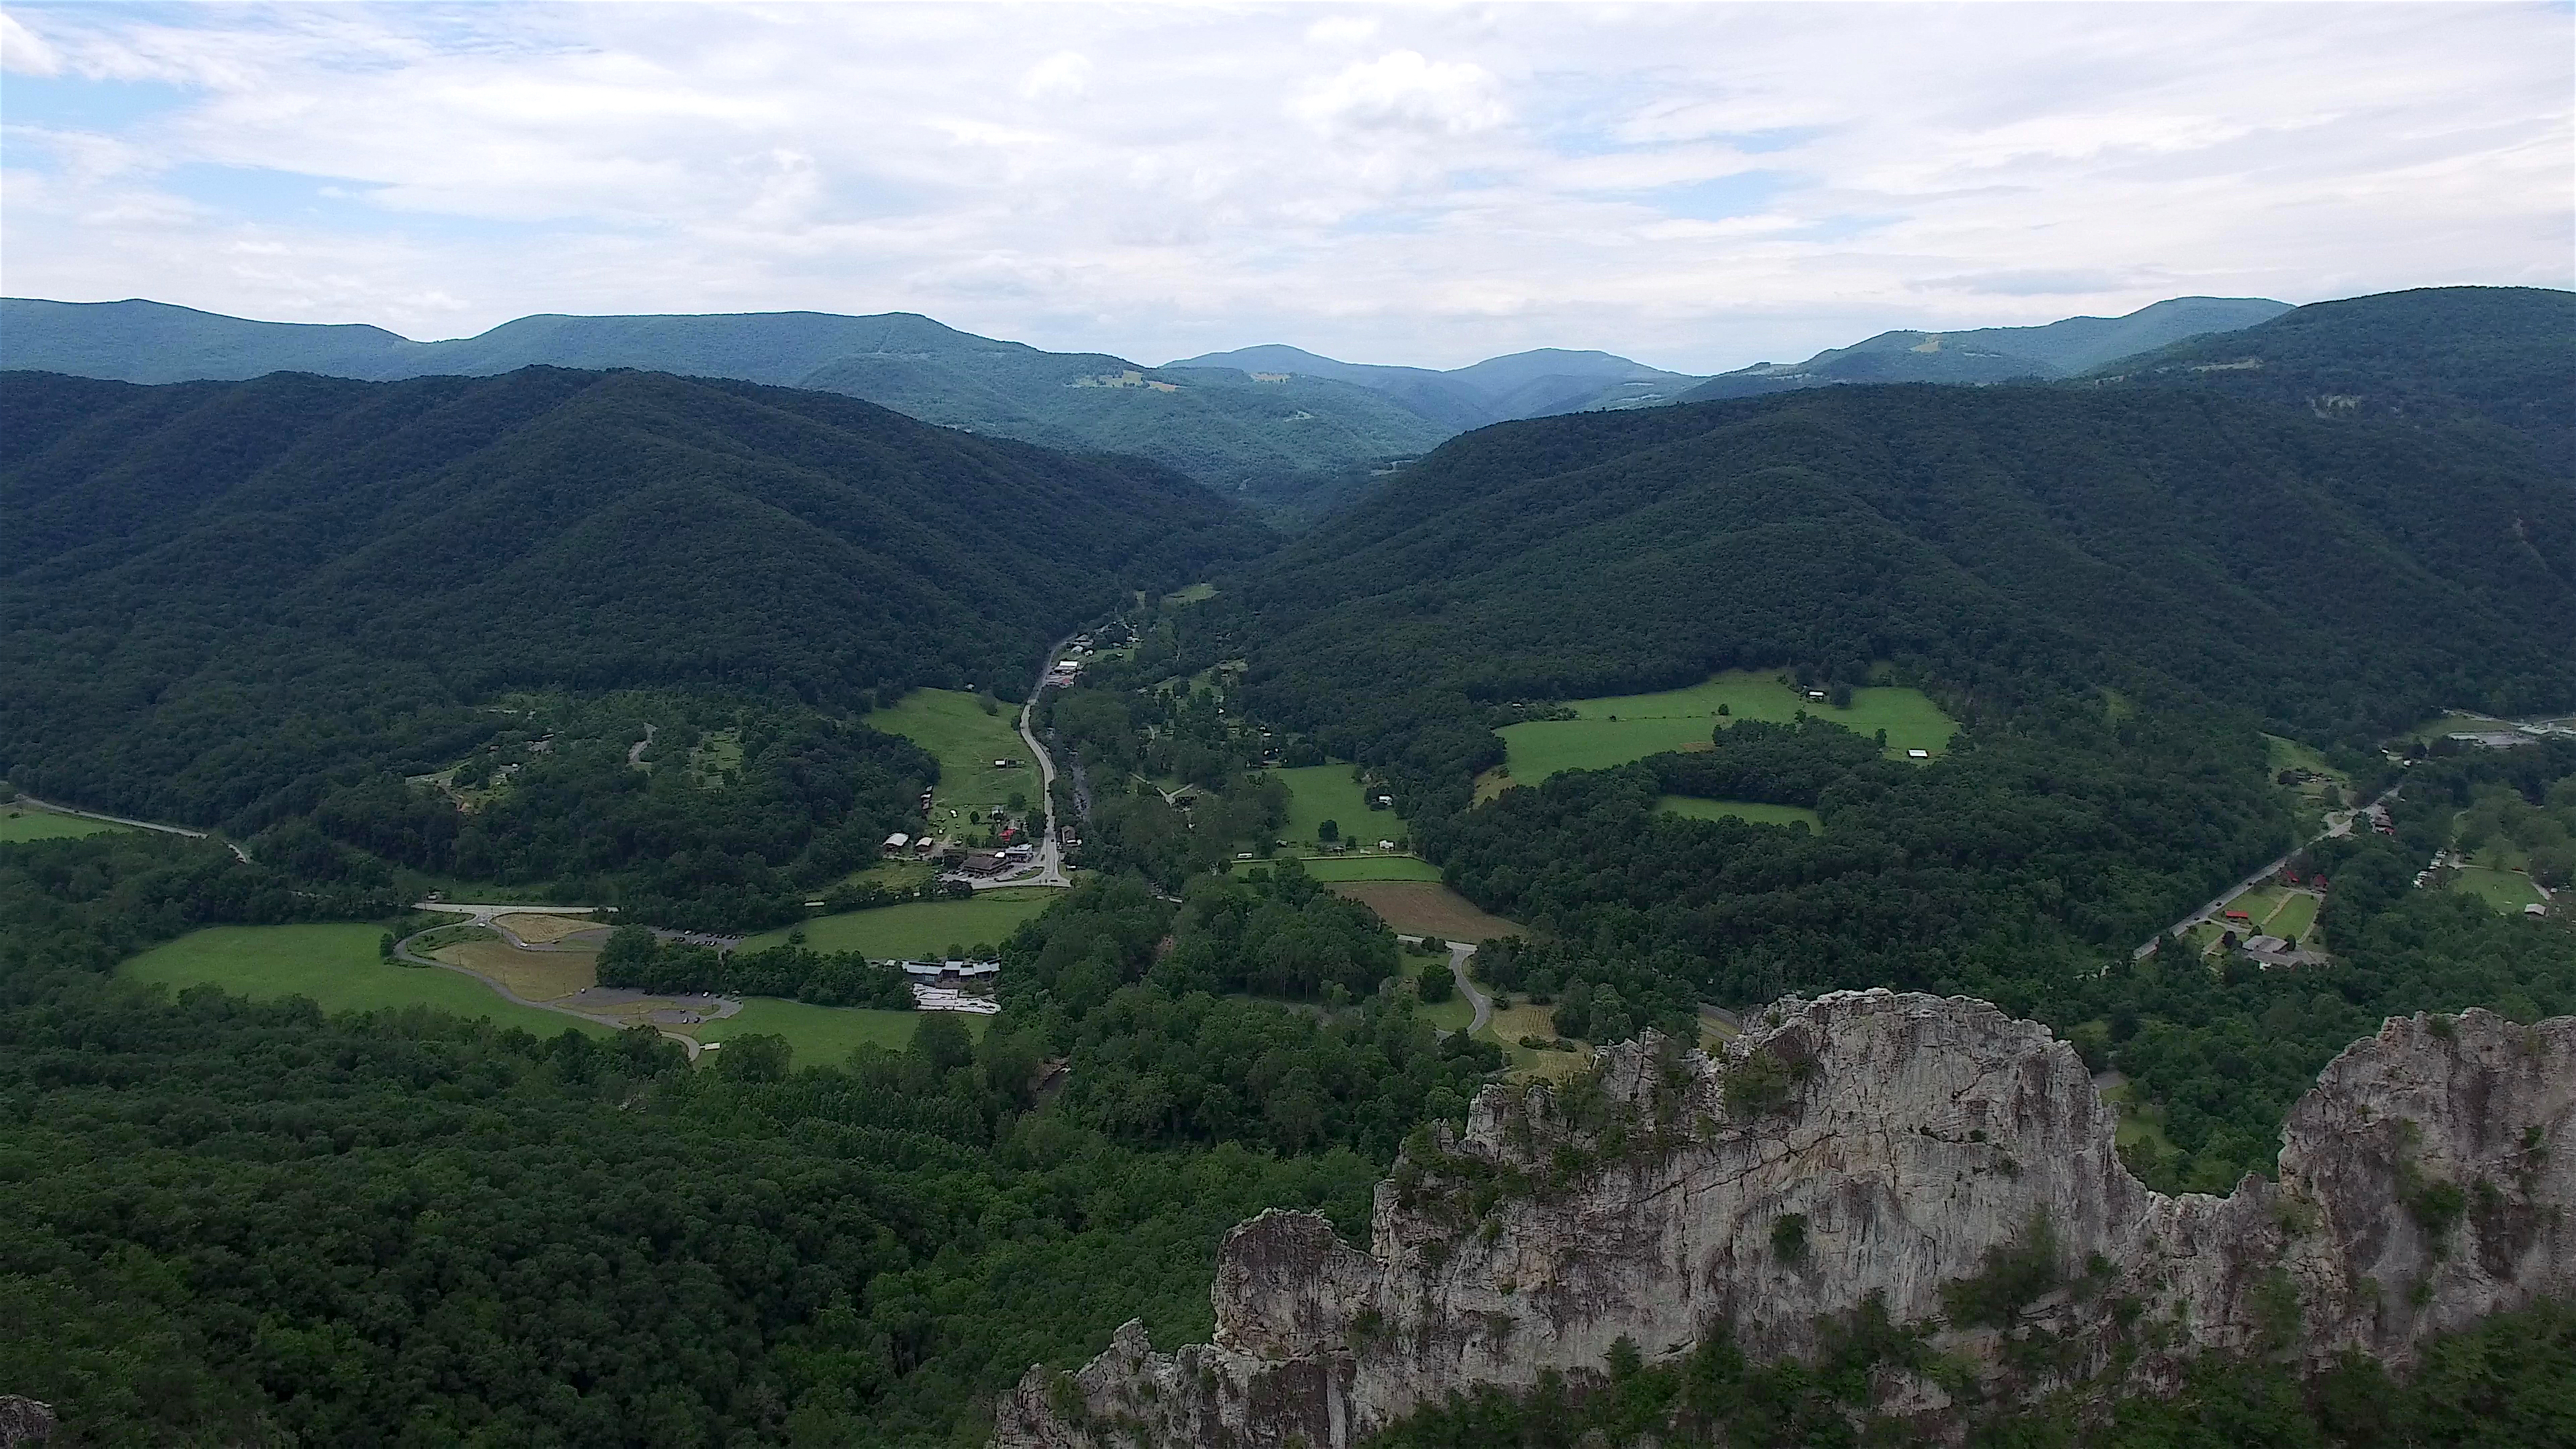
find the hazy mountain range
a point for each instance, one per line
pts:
(1288, 431)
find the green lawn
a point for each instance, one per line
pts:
(953, 727)
(1753, 810)
(2295, 917)
(823, 1036)
(2291, 755)
(2502, 889)
(1614, 730)
(1317, 793)
(18, 824)
(336, 966)
(918, 929)
(1369, 867)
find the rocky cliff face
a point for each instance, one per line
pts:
(1932, 1154)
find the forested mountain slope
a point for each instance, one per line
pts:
(1270, 442)
(1996, 354)
(214, 595)
(2503, 355)
(2011, 543)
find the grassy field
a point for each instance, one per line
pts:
(20, 824)
(2502, 889)
(1613, 731)
(2296, 916)
(919, 928)
(1427, 908)
(1508, 1027)
(1317, 793)
(1365, 867)
(335, 965)
(1752, 810)
(823, 1036)
(1450, 1015)
(953, 727)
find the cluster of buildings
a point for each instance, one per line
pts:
(965, 986)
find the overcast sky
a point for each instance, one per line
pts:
(1696, 186)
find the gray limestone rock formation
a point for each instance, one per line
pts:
(1934, 1156)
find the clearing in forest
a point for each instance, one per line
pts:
(951, 725)
(916, 930)
(336, 966)
(1336, 868)
(2505, 890)
(1427, 908)
(1617, 729)
(821, 1036)
(1755, 811)
(19, 823)
(1317, 793)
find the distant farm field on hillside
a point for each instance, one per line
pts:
(334, 965)
(1427, 908)
(917, 929)
(951, 725)
(1617, 729)
(17, 825)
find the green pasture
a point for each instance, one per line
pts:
(1317, 793)
(917, 929)
(1368, 867)
(2291, 755)
(951, 725)
(2502, 889)
(1617, 729)
(17, 824)
(334, 965)
(822, 1036)
(1756, 811)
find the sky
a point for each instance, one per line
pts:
(1696, 186)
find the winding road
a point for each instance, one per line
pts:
(1459, 951)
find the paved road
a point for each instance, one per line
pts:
(1050, 858)
(1459, 951)
(29, 800)
(2337, 824)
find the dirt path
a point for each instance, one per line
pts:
(404, 953)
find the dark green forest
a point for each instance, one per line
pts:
(230, 604)
(609, 636)
(2002, 546)
(2431, 358)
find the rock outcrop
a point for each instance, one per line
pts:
(1866, 1146)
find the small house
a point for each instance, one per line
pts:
(1918, 754)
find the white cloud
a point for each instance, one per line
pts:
(1402, 90)
(1699, 186)
(1063, 76)
(24, 51)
